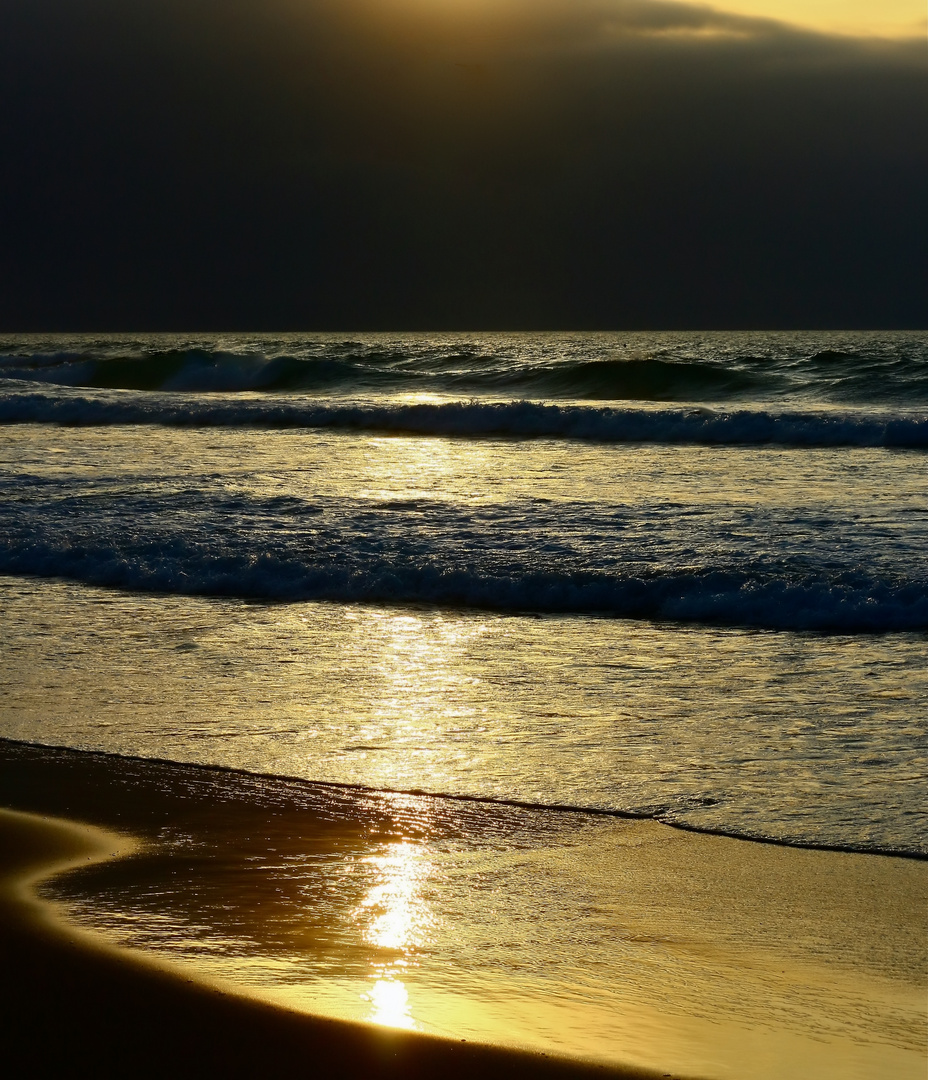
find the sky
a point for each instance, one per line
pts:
(462, 164)
(879, 18)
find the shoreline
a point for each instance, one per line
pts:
(681, 953)
(476, 800)
(78, 999)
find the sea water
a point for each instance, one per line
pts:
(675, 576)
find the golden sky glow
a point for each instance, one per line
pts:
(465, 163)
(862, 18)
(881, 18)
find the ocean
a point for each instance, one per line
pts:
(666, 576)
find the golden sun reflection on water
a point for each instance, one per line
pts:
(395, 918)
(421, 699)
(426, 468)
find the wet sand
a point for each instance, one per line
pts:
(668, 953)
(71, 1004)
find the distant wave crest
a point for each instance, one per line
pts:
(599, 372)
(190, 370)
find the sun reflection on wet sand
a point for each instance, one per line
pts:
(396, 919)
(613, 940)
(389, 1000)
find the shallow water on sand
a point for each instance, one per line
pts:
(607, 939)
(794, 735)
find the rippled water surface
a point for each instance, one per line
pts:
(551, 579)
(801, 736)
(673, 575)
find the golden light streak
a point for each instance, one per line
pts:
(395, 918)
(857, 18)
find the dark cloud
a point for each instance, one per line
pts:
(453, 163)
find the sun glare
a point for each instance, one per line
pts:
(395, 912)
(389, 1000)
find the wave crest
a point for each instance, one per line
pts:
(584, 369)
(748, 596)
(520, 419)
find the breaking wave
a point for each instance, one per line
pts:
(518, 557)
(715, 596)
(519, 419)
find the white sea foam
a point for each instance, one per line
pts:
(519, 555)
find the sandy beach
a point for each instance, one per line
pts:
(739, 958)
(72, 1004)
